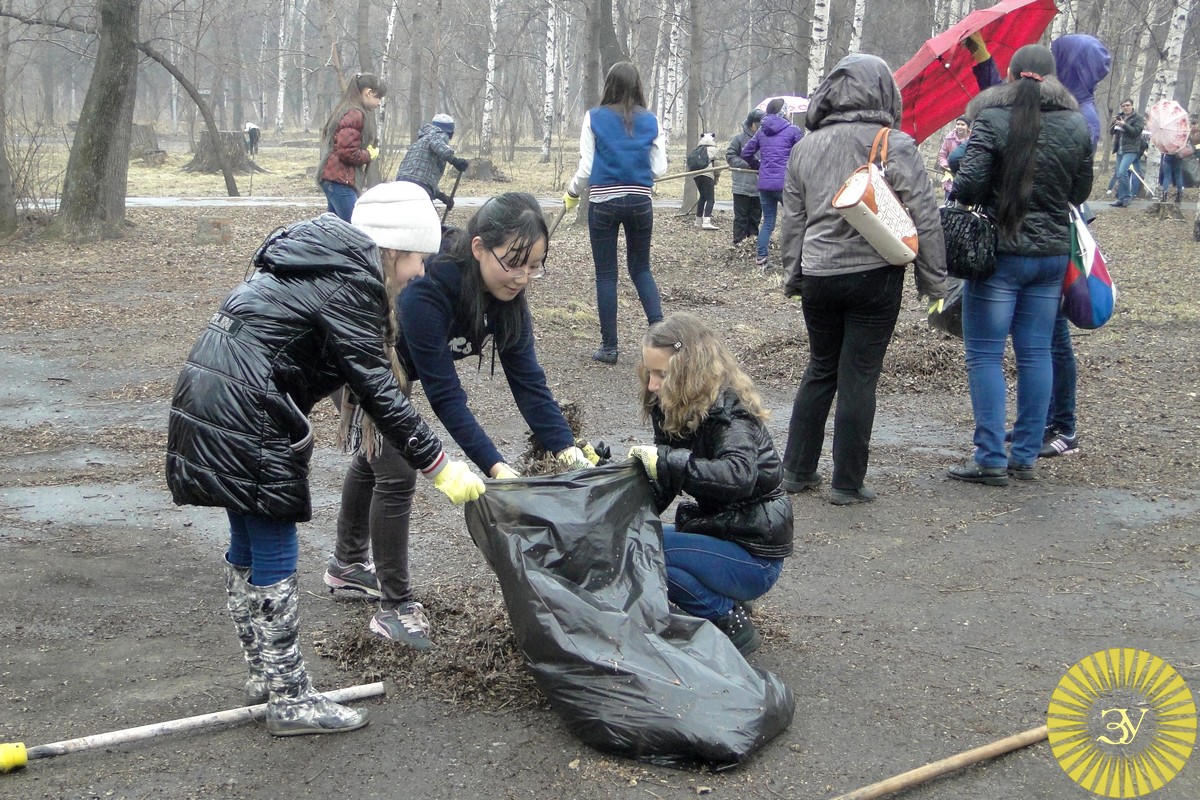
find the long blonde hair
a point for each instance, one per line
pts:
(701, 367)
(367, 439)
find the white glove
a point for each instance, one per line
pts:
(574, 458)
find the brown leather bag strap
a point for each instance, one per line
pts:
(879, 147)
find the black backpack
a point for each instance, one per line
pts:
(698, 158)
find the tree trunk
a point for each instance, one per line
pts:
(363, 37)
(489, 83)
(82, 212)
(287, 8)
(820, 44)
(548, 82)
(856, 27)
(227, 145)
(695, 64)
(416, 112)
(8, 195)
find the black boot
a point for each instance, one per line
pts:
(740, 630)
(1179, 197)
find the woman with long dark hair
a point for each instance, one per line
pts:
(350, 145)
(471, 299)
(621, 151)
(1028, 158)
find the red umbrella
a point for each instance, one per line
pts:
(937, 83)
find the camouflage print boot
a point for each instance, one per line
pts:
(237, 585)
(293, 708)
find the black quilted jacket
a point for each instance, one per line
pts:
(306, 322)
(1063, 173)
(730, 466)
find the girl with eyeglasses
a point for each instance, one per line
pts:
(471, 295)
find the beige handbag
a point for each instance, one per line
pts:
(873, 209)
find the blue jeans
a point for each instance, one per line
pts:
(1022, 297)
(1126, 183)
(340, 198)
(850, 320)
(770, 201)
(271, 549)
(706, 575)
(1062, 396)
(636, 214)
(1172, 174)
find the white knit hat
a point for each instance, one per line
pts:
(399, 216)
(708, 139)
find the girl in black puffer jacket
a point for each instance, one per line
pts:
(726, 548)
(311, 318)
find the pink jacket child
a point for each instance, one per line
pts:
(953, 139)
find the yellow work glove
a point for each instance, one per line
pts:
(589, 452)
(974, 44)
(574, 458)
(457, 482)
(648, 455)
(505, 473)
(947, 176)
(936, 307)
(570, 201)
(373, 151)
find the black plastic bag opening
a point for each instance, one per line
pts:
(580, 564)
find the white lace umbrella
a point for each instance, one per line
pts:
(1168, 126)
(792, 104)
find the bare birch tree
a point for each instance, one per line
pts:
(550, 72)
(489, 82)
(287, 17)
(856, 25)
(820, 43)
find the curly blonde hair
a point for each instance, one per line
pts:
(701, 367)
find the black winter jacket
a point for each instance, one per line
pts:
(730, 466)
(309, 320)
(1063, 174)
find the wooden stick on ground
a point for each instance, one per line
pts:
(932, 770)
(227, 717)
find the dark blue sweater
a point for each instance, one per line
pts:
(434, 333)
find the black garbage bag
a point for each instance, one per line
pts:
(580, 563)
(949, 319)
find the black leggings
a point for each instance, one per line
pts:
(708, 195)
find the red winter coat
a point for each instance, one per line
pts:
(348, 152)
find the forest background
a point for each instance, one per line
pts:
(516, 74)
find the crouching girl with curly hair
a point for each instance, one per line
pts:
(727, 547)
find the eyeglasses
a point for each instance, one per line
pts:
(533, 272)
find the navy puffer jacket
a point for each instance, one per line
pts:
(730, 466)
(309, 320)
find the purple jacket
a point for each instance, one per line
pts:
(769, 151)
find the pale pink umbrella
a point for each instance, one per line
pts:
(1168, 126)
(792, 104)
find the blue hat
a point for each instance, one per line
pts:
(445, 122)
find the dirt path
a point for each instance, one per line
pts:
(937, 619)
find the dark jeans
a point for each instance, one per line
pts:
(1127, 185)
(770, 201)
(1020, 300)
(850, 319)
(747, 212)
(341, 199)
(1172, 174)
(1062, 396)
(636, 214)
(376, 510)
(708, 195)
(271, 549)
(706, 575)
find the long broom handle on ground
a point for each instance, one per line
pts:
(557, 219)
(13, 755)
(932, 770)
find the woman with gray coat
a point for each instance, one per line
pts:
(850, 293)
